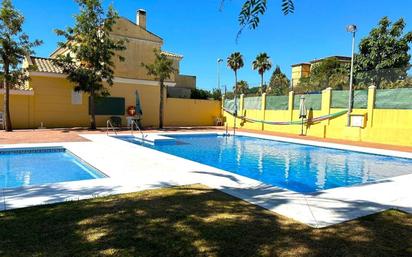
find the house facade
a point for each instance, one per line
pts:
(52, 102)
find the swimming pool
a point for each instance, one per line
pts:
(23, 167)
(297, 167)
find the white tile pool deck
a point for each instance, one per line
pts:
(132, 168)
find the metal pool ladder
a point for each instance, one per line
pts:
(227, 131)
(134, 124)
(109, 125)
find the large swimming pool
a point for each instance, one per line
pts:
(296, 167)
(25, 167)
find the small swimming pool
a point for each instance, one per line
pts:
(23, 167)
(300, 168)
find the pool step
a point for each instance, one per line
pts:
(156, 139)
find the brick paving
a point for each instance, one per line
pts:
(73, 135)
(336, 141)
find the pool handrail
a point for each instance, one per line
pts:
(134, 123)
(109, 125)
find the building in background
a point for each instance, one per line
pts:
(53, 102)
(302, 70)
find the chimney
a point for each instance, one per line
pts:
(141, 18)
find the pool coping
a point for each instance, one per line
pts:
(132, 168)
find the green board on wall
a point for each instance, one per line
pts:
(109, 106)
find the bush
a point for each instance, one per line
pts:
(200, 94)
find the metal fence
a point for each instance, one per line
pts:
(313, 101)
(230, 104)
(399, 98)
(340, 99)
(277, 102)
(252, 103)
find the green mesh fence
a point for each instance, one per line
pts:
(313, 101)
(275, 102)
(252, 103)
(230, 104)
(400, 98)
(340, 99)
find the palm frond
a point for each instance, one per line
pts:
(252, 10)
(288, 7)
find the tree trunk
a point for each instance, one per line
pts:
(92, 111)
(161, 105)
(236, 89)
(261, 84)
(7, 119)
(234, 120)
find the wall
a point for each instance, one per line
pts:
(20, 104)
(186, 81)
(50, 102)
(385, 126)
(191, 112)
(53, 104)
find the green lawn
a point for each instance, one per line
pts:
(191, 221)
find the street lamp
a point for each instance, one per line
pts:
(219, 61)
(352, 29)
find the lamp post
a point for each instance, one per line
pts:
(352, 29)
(219, 61)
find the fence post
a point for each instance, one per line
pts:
(222, 106)
(290, 104)
(263, 110)
(241, 104)
(326, 103)
(371, 104)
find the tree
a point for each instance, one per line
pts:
(200, 94)
(279, 83)
(330, 73)
(255, 90)
(216, 94)
(91, 49)
(235, 62)
(252, 10)
(161, 69)
(242, 87)
(14, 46)
(262, 64)
(383, 54)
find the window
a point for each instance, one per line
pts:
(109, 106)
(77, 97)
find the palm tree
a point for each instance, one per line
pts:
(235, 62)
(242, 87)
(262, 64)
(161, 69)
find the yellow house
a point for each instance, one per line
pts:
(302, 70)
(52, 101)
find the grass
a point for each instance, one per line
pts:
(191, 221)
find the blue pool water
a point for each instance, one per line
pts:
(36, 167)
(296, 167)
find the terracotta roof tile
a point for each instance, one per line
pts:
(172, 54)
(45, 65)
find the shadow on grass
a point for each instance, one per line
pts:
(191, 221)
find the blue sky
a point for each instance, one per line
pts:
(202, 33)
